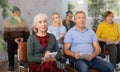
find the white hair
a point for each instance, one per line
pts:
(38, 18)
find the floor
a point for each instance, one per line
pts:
(4, 62)
(4, 66)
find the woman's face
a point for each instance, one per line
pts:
(69, 17)
(42, 25)
(56, 18)
(109, 18)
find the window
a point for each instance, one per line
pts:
(114, 6)
(77, 5)
(95, 7)
(100, 6)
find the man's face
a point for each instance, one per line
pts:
(16, 13)
(80, 19)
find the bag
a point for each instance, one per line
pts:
(23, 51)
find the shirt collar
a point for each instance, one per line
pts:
(74, 28)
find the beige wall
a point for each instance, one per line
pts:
(30, 8)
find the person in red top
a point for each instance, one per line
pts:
(39, 44)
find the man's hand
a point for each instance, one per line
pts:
(89, 57)
(77, 55)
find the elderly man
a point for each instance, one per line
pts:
(82, 44)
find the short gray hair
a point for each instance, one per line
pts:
(78, 13)
(37, 18)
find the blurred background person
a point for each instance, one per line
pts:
(14, 29)
(57, 28)
(67, 22)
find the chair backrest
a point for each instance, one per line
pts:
(22, 51)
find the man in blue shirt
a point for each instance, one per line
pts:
(81, 43)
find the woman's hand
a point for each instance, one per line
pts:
(62, 35)
(18, 40)
(61, 40)
(46, 53)
(48, 59)
(117, 42)
(107, 41)
(113, 42)
(51, 59)
(45, 58)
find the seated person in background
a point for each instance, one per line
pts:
(67, 22)
(81, 40)
(57, 28)
(108, 32)
(39, 45)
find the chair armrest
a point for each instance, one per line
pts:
(72, 59)
(62, 60)
(25, 64)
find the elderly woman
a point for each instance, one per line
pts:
(108, 32)
(57, 28)
(39, 45)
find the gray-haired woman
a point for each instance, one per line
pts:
(40, 44)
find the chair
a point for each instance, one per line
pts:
(72, 69)
(104, 52)
(22, 57)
